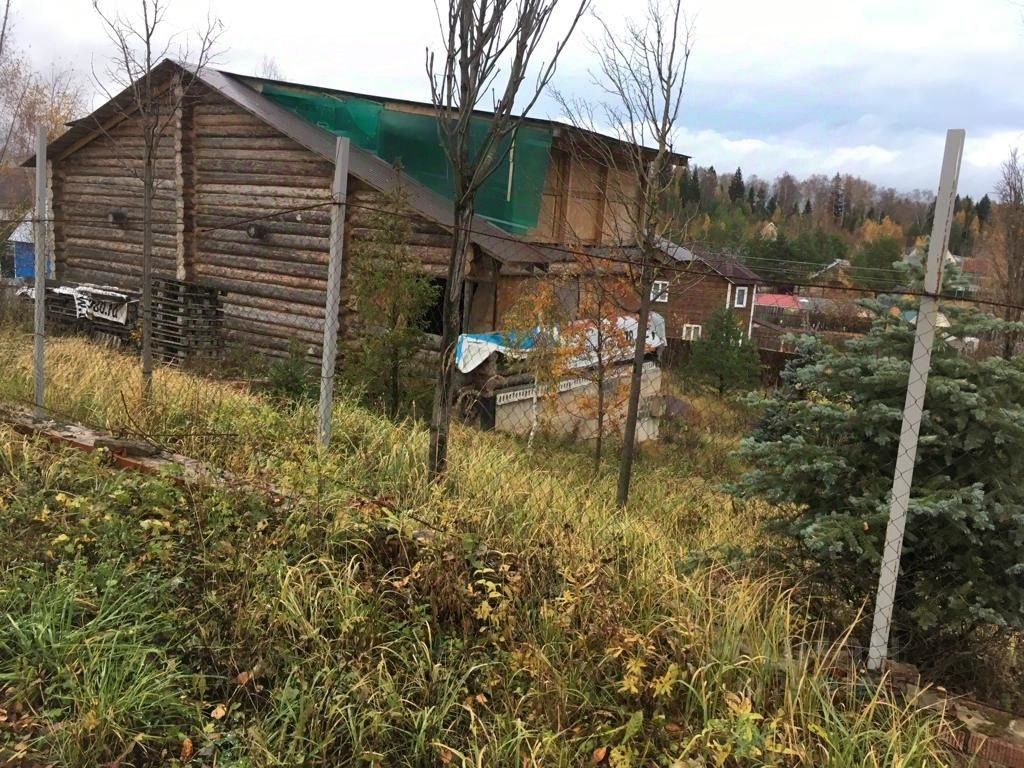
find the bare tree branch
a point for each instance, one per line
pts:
(1008, 242)
(138, 48)
(488, 47)
(3, 27)
(641, 72)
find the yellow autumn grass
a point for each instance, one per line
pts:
(638, 652)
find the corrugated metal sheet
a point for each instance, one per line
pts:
(778, 301)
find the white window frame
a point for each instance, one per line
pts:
(691, 332)
(746, 296)
(659, 291)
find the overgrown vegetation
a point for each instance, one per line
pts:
(392, 295)
(826, 449)
(507, 616)
(722, 357)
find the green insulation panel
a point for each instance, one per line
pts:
(510, 198)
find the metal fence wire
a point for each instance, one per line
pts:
(275, 345)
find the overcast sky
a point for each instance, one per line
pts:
(809, 86)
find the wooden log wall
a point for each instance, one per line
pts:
(99, 178)
(274, 283)
(219, 170)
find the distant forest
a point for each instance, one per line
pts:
(804, 225)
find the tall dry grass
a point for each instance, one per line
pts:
(508, 616)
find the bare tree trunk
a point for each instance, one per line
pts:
(599, 445)
(635, 383)
(485, 42)
(146, 307)
(395, 383)
(1010, 224)
(451, 327)
(3, 26)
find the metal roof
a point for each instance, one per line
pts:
(728, 266)
(778, 300)
(364, 165)
(23, 232)
(557, 126)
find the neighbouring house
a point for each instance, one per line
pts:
(833, 280)
(811, 313)
(769, 231)
(918, 255)
(979, 273)
(781, 309)
(243, 203)
(692, 285)
(15, 202)
(18, 257)
(698, 283)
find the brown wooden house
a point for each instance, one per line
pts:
(701, 283)
(692, 284)
(242, 203)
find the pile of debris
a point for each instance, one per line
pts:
(187, 318)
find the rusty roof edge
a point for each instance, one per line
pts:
(686, 254)
(371, 169)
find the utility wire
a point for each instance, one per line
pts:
(792, 270)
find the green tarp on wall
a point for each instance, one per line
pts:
(511, 196)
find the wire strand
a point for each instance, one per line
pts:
(794, 276)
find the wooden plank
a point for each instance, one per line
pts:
(181, 469)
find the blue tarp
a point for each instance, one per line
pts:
(473, 348)
(24, 260)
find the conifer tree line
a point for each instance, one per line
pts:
(815, 221)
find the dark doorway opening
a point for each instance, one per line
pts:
(433, 319)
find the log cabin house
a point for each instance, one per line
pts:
(241, 150)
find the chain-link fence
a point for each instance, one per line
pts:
(251, 367)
